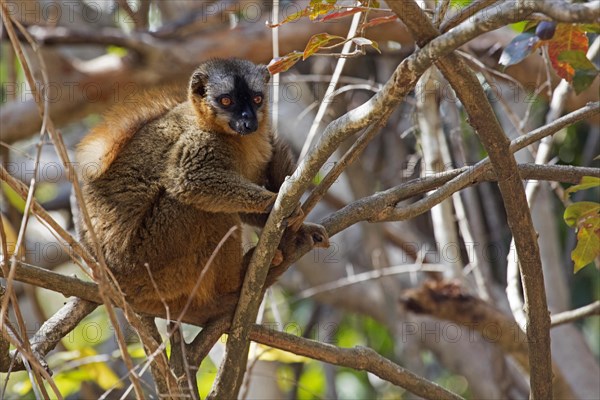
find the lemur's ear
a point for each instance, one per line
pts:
(265, 71)
(198, 83)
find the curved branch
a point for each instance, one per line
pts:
(482, 118)
(377, 207)
(366, 208)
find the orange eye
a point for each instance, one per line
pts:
(257, 99)
(225, 101)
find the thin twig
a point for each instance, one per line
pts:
(339, 67)
(574, 315)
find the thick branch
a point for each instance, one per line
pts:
(447, 300)
(482, 118)
(563, 11)
(465, 13)
(361, 358)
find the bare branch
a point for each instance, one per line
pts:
(465, 13)
(72, 286)
(55, 328)
(574, 315)
(359, 358)
(482, 118)
(334, 173)
(75, 248)
(447, 300)
(563, 11)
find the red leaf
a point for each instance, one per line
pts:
(316, 42)
(284, 63)
(343, 13)
(568, 37)
(380, 20)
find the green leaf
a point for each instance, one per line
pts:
(576, 212)
(529, 26)
(318, 178)
(69, 382)
(117, 50)
(523, 26)
(312, 383)
(93, 330)
(519, 48)
(205, 377)
(13, 198)
(582, 79)
(317, 41)
(577, 59)
(46, 191)
(591, 28)
(518, 26)
(587, 182)
(588, 243)
(101, 373)
(136, 350)
(285, 377)
(460, 3)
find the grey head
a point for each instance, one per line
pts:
(236, 92)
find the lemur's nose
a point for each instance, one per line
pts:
(245, 114)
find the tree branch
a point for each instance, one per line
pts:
(359, 358)
(55, 328)
(574, 315)
(465, 13)
(446, 300)
(563, 11)
(482, 118)
(366, 208)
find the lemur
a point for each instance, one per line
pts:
(164, 180)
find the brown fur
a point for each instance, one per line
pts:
(171, 181)
(99, 148)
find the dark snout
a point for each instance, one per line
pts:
(245, 124)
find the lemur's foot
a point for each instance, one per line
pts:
(307, 237)
(308, 234)
(277, 258)
(296, 218)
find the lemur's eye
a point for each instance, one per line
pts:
(225, 101)
(257, 99)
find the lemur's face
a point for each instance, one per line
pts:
(233, 93)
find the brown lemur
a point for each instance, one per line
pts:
(165, 178)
